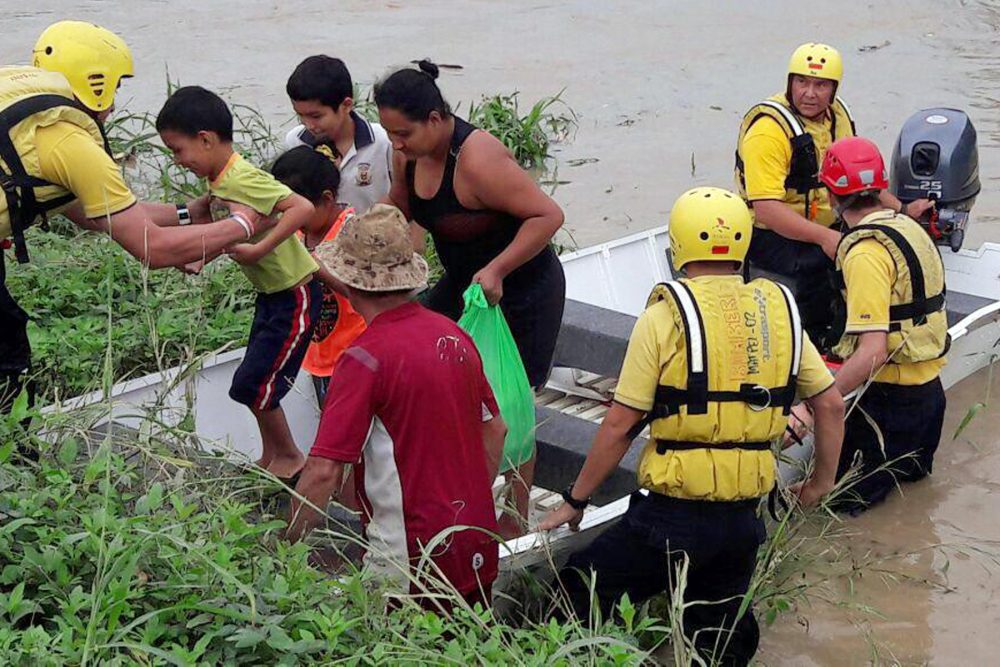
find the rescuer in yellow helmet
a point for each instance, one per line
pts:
(781, 144)
(897, 330)
(713, 367)
(55, 158)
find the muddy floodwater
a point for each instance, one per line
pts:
(659, 88)
(931, 586)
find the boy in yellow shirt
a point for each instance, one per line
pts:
(197, 126)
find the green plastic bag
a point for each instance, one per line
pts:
(505, 371)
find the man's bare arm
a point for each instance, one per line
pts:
(160, 247)
(320, 478)
(494, 432)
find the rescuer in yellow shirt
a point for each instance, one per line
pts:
(781, 144)
(896, 334)
(54, 158)
(713, 366)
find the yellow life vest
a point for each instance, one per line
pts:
(809, 141)
(918, 321)
(31, 98)
(724, 397)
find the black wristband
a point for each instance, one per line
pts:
(578, 505)
(183, 215)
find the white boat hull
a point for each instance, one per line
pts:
(616, 276)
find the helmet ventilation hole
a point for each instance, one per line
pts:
(48, 50)
(703, 236)
(738, 235)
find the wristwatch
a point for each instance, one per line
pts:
(183, 215)
(578, 505)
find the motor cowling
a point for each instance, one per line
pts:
(936, 157)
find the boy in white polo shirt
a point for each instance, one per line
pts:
(321, 91)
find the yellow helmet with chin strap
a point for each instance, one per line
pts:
(818, 60)
(709, 225)
(93, 59)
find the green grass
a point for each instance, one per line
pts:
(77, 282)
(129, 547)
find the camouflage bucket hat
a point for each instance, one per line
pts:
(373, 252)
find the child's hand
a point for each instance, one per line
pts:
(245, 253)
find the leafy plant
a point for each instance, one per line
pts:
(530, 135)
(77, 281)
(123, 547)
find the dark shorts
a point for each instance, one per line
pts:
(280, 334)
(910, 419)
(532, 304)
(638, 556)
(810, 274)
(15, 350)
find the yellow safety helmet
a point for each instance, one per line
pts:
(818, 60)
(93, 59)
(709, 225)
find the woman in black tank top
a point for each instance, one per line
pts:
(499, 237)
(490, 222)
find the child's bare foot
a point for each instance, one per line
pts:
(286, 467)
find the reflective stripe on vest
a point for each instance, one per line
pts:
(696, 395)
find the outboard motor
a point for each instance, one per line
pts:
(936, 158)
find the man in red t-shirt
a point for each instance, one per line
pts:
(409, 405)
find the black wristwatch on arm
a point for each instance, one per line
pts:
(183, 215)
(578, 505)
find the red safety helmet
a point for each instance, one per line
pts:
(853, 165)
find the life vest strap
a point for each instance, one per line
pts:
(17, 184)
(922, 305)
(915, 311)
(664, 446)
(695, 396)
(669, 400)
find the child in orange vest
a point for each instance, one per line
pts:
(315, 177)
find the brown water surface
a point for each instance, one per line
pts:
(931, 581)
(659, 86)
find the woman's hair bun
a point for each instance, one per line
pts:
(428, 68)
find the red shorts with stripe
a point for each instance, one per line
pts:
(279, 337)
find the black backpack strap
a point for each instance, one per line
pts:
(19, 186)
(921, 305)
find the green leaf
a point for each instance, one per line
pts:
(969, 416)
(68, 451)
(279, 640)
(247, 637)
(14, 598)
